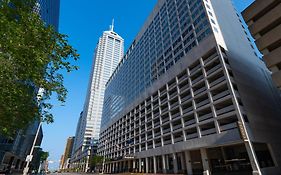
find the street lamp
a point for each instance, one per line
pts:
(30, 156)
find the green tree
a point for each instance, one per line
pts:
(96, 160)
(32, 56)
(43, 156)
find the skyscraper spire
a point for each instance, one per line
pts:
(112, 25)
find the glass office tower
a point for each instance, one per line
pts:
(49, 12)
(191, 96)
(108, 54)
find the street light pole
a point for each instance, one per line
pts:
(29, 157)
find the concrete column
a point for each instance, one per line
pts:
(146, 165)
(154, 165)
(182, 161)
(205, 162)
(188, 162)
(109, 168)
(164, 164)
(129, 165)
(175, 163)
(134, 165)
(140, 166)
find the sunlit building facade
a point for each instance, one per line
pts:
(108, 54)
(191, 96)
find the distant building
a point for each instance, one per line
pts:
(67, 153)
(191, 96)
(264, 21)
(108, 54)
(61, 162)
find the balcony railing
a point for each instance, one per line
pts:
(178, 139)
(174, 105)
(176, 115)
(182, 78)
(157, 134)
(208, 60)
(195, 69)
(172, 85)
(225, 110)
(191, 136)
(163, 93)
(208, 132)
(149, 137)
(183, 88)
(159, 144)
(190, 122)
(177, 127)
(173, 94)
(156, 123)
(227, 127)
(205, 117)
(166, 130)
(213, 69)
(187, 110)
(197, 79)
(217, 81)
(167, 142)
(202, 103)
(164, 110)
(200, 90)
(186, 98)
(221, 95)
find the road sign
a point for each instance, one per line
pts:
(29, 158)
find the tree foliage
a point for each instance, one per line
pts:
(96, 160)
(32, 56)
(43, 155)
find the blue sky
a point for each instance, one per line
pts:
(84, 21)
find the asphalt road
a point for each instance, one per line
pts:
(69, 174)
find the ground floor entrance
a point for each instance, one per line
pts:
(225, 160)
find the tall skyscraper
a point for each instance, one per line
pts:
(264, 20)
(49, 12)
(191, 96)
(108, 54)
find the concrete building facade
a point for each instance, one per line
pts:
(264, 21)
(108, 53)
(191, 96)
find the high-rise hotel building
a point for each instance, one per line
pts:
(191, 96)
(108, 54)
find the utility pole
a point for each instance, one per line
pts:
(30, 156)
